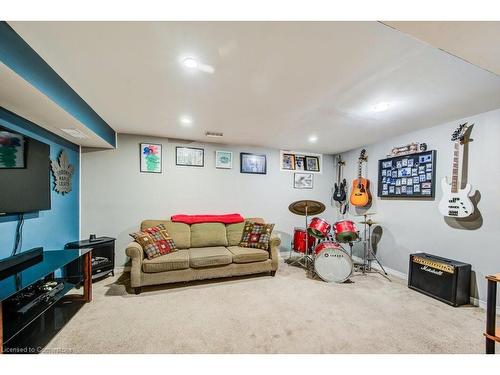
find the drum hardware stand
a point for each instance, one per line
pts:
(350, 248)
(368, 253)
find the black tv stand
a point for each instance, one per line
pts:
(16, 318)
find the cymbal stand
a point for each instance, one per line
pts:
(368, 253)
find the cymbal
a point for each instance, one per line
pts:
(369, 222)
(313, 207)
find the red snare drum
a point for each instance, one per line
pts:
(319, 228)
(299, 240)
(332, 263)
(345, 231)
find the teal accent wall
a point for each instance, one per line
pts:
(53, 228)
(22, 59)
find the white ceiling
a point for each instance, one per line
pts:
(473, 41)
(275, 83)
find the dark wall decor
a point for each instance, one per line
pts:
(253, 163)
(408, 176)
(300, 162)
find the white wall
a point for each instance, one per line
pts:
(412, 226)
(116, 197)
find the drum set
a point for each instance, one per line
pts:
(321, 246)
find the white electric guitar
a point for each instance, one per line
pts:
(456, 202)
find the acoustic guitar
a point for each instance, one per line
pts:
(360, 194)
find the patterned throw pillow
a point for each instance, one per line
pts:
(256, 235)
(155, 241)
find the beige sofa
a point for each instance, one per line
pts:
(205, 251)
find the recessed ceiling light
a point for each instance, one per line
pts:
(186, 120)
(190, 62)
(381, 107)
(313, 139)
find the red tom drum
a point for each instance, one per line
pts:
(345, 231)
(299, 240)
(319, 228)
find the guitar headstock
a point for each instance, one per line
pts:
(340, 161)
(460, 133)
(362, 155)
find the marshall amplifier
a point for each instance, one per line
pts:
(444, 279)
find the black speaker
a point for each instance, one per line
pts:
(444, 279)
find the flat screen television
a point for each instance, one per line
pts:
(24, 173)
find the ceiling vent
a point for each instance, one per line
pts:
(75, 133)
(214, 134)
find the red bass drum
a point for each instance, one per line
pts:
(345, 231)
(299, 240)
(319, 228)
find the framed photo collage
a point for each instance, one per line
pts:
(408, 176)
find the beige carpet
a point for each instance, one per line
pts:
(288, 313)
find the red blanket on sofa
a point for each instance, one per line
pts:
(195, 219)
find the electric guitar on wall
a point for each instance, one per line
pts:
(340, 193)
(360, 195)
(455, 201)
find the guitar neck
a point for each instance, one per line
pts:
(456, 168)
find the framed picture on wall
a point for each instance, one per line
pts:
(189, 156)
(288, 161)
(296, 161)
(410, 176)
(303, 180)
(312, 163)
(252, 163)
(223, 159)
(300, 163)
(150, 156)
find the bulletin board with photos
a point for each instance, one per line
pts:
(408, 176)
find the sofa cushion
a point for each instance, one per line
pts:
(248, 255)
(209, 256)
(178, 260)
(180, 232)
(208, 234)
(235, 231)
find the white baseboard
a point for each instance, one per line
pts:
(122, 269)
(481, 304)
(391, 271)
